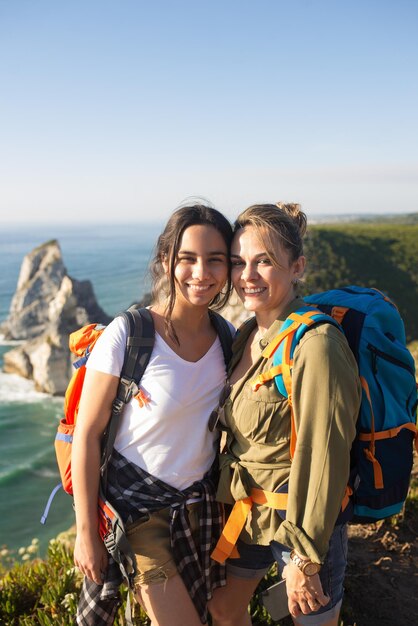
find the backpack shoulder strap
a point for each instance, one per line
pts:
(139, 346)
(224, 333)
(282, 349)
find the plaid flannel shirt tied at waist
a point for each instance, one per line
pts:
(133, 492)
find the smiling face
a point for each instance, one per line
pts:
(201, 269)
(264, 286)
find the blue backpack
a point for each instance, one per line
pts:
(382, 452)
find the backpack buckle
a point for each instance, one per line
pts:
(117, 406)
(127, 389)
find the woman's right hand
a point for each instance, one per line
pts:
(91, 556)
(304, 593)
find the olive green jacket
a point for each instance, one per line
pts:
(326, 396)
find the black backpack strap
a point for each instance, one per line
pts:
(224, 333)
(139, 346)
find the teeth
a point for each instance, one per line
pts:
(254, 290)
(199, 287)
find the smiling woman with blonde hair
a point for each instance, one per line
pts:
(304, 537)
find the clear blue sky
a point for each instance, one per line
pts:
(119, 109)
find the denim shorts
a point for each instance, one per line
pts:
(255, 561)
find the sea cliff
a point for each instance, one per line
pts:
(48, 304)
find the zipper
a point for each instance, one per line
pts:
(378, 353)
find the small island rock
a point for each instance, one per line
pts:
(47, 306)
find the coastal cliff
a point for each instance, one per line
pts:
(48, 305)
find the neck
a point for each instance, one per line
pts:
(263, 325)
(192, 318)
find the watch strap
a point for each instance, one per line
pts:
(306, 566)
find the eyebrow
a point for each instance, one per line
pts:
(211, 253)
(257, 256)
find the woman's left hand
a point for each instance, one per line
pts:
(305, 593)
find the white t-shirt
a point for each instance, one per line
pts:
(169, 436)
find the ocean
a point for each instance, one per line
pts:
(115, 259)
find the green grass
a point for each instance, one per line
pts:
(36, 592)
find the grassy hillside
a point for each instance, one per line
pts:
(382, 557)
(384, 256)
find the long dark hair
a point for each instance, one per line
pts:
(167, 249)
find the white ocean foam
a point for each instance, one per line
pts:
(14, 388)
(45, 472)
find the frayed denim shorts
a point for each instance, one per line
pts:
(150, 541)
(255, 561)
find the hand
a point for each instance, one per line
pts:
(304, 593)
(90, 556)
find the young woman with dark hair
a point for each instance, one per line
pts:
(163, 447)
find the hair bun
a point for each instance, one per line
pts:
(294, 211)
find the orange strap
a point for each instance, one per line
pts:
(376, 436)
(276, 370)
(292, 429)
(391, 432)
(274, 344)
(226, 545)
(338, 313)
(297, 320)
(377, 469)
(286, 369)
(365, 386)
(304, 318)
(287, 381)
(388, 434)
(143, 398)
(370, 451)
(346, 498)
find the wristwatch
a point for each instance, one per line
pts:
(306, 566)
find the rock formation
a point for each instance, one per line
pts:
(47, 306)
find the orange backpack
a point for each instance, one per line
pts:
(138, 350)
(81, 343)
